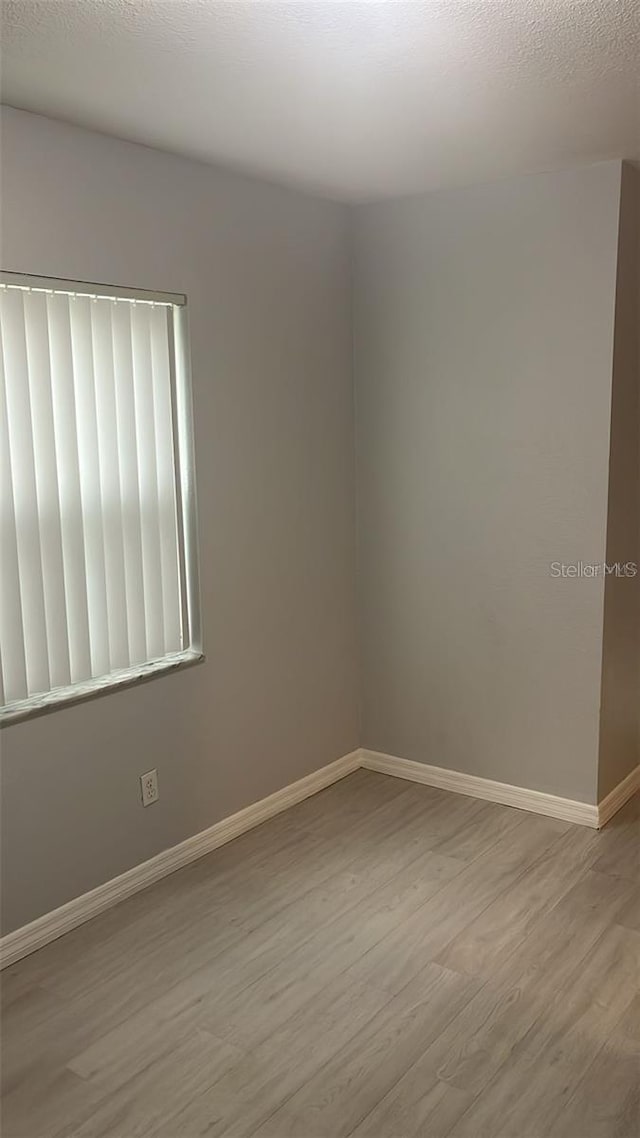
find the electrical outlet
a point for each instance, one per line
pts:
(149, 787)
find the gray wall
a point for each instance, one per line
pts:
(620, 701)
(483, 348)
(484, 340)
(266, 271)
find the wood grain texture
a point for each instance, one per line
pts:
(385, 960)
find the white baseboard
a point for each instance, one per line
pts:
(616, 798)
(502, 792)
(52, 925)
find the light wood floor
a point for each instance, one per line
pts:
(384, 960)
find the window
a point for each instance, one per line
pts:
(99, 581)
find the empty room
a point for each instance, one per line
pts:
(319, 568)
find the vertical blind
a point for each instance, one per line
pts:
(90, 535)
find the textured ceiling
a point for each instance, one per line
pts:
(355, 100)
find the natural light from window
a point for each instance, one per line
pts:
(99, 578)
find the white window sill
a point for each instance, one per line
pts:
(78, 693)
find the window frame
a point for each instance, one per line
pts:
(187, 517)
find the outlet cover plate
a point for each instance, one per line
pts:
(149, 787)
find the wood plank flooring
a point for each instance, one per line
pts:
(384, 960)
